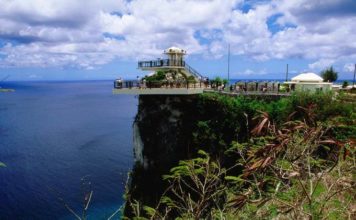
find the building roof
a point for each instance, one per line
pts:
(175, 50)
(307, 77)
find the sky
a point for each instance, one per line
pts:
(104, 39)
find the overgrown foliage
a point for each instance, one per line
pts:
(293, 158)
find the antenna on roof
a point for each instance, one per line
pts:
(287, 73)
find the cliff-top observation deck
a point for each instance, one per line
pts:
(172, 76)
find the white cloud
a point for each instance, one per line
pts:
(249, 72)
(349, 67)
(88, 33)
(321, 30)
(321, 64)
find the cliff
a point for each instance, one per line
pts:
(168, 129)
(161, 128)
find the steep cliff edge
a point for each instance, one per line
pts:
(162, 131)
(168, 129)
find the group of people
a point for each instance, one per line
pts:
(244, 88)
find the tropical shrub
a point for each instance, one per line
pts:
(345, 84)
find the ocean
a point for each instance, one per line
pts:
(53, 134)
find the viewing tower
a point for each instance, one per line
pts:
(171, 76)
(174, 61)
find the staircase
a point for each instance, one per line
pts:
(193, 72)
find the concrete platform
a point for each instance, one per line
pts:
(159, 91)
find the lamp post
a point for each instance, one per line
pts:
(228, 65)
(353, 82)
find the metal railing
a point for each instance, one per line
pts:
(170, 63)
(193, 71)
(161, 63)
(135, 84)
(241, 88)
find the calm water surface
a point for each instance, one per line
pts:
(54, 133)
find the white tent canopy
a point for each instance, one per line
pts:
(307, 77)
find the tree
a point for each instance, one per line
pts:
(345, 84)
(225, 81)
(218, 81)
(329, 74)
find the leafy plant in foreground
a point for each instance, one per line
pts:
(291, 178)
(294, 171)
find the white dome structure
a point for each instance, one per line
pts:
(308, 82)
(307, 77)
(175, 50)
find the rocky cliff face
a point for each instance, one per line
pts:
(161, 130)
(170, 128)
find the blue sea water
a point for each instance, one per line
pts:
(54, 133)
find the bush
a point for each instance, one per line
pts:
(345, 84)
(158, 76)
(191, 79)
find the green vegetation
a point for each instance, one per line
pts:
(191, 79)
(329, 74)
(216, 82)
(292, 158)
(345, 84)
(225, 82)
(158, 76)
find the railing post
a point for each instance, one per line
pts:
(278, 87)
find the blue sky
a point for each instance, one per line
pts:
(94, 39)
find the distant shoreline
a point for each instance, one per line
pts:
(339, 81)
(6, 90)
